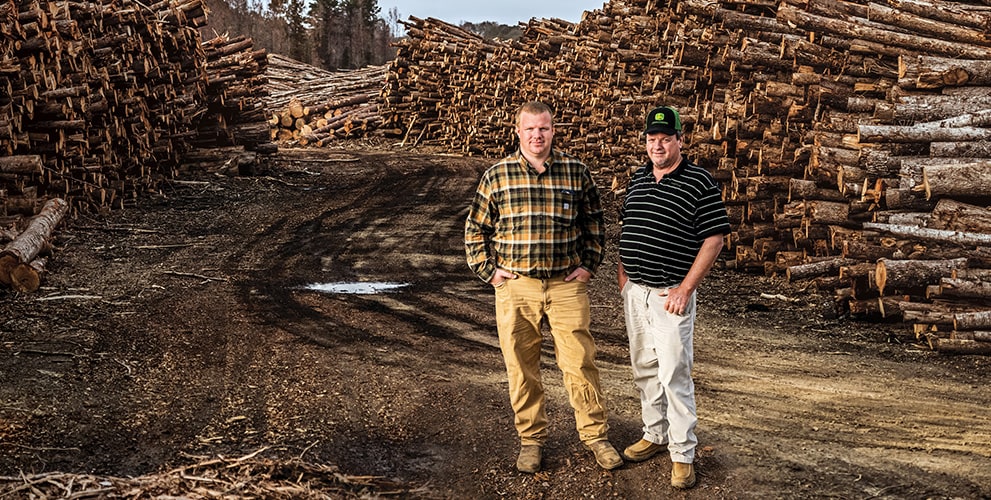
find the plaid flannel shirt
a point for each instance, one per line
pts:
(535, 225)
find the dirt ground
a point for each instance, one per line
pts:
(186, 327)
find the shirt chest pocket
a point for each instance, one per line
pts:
(564, 207)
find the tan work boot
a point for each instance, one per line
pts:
(605, 455)
(682, 475)
(529, 459)
(641, 450)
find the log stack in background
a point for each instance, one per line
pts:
(311, 106)
(102, 101)
(847, 135)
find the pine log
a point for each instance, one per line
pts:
(921, 132)
(970, 179)
(976, 256)
(964, 288)
(21, 164)
(901, 274)
(867, 251)
(979, 335)
(938, 235)
(26, 277)
(892, 306)
(925, 25)
(906, 199)
(927, 108)
(920, 219)
(935, 317)
(801, 189)
(975, 149)
(973, 273)
(829, 212)
(972, 320)
(946, 11)
(957, 216)
(864, 307)
(928, 72)
(814, 269)
(855, 28)
(33, 240)
(953, 346)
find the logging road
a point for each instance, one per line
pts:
(183, 328)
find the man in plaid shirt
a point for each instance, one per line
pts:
(535, 233)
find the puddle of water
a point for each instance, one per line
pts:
(357, 287)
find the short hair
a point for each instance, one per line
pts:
(533, 108)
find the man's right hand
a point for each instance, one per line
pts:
(500, 276)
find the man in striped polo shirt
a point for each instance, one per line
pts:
(673, 221)
(535, 233)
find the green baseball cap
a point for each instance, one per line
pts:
(664, 120)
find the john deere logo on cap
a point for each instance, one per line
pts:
(663, 119)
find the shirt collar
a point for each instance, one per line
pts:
(552, 159)
(648, 168)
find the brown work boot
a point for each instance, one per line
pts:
(682, 475)
(605, 455)
(529, 459)
(641, 450)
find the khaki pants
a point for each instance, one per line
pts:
(662, 355)
(520, 305)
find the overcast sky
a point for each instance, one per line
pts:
(509, 12)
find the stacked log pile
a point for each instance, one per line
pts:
(847, 135)
(312, 106)
(102, 101)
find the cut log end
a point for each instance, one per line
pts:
(7, 264)
(25, 279)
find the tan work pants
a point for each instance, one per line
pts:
(520, 305)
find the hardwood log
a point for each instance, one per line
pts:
(920, 133)
(964, 288)
(21, 164)
(957, 216)
(938, 235)
(33, 239)
(26, 277)
(972, 273)
(815, 269)
(972, 320)
(932, 317)
(867, 251)
(927, 108)
(919, 24)
(928, 72)
(893, 275)
(855, 28)
(969, 179)
(946, 11)
(975, 149)
(979, 335)
(955, 346)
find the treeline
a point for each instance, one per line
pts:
(329, 34)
